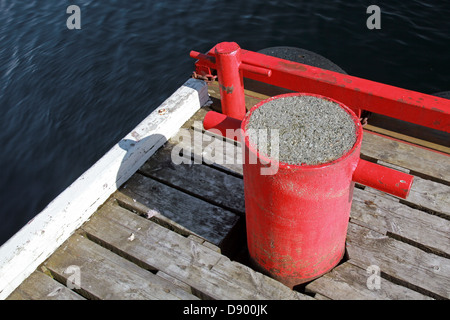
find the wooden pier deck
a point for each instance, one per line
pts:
(178, 231)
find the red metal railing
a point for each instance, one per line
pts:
(233, 63)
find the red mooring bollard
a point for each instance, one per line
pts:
(297, 217)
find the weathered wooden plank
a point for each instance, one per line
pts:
(174, 281)
(204, 219)
(161, 249)
(318, 296)
(254, 281)
(209, 149)
(401, 136)
(204, 242)
(39, 286)
(107, 276)
(137, 207)
(415, 268)
(425, 194)
(418, 160)
(217, 187)
(29, 247)
(430, 195)
(349, 282)
(402, 130)
(384, 214)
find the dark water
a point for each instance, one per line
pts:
(67, 96)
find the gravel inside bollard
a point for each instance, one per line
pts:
(311, 130)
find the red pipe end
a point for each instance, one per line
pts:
(384, 179)
(226, 47)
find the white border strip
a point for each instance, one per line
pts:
(37, 240)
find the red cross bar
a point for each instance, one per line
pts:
(233, 63)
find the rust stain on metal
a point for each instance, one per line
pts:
(135, 135)
(162, 111)
(328, 78)
(226, 89)
(436, 109)
(292, 66)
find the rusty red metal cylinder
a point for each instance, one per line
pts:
(297, 218)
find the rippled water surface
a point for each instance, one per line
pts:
(67, 96)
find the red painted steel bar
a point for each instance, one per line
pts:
(204, 60)
(228, 61)
(357, 93)
(209, 61)
(382, 178)
(247, 68)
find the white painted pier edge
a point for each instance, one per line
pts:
(38, 239)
